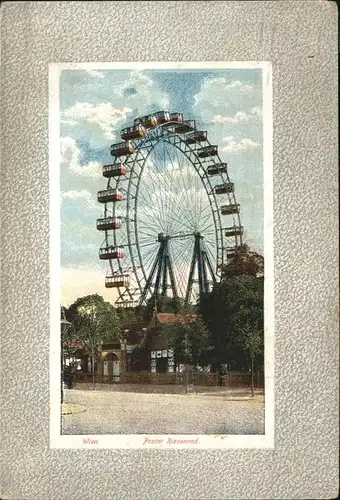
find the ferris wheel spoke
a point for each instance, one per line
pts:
(169, 192)
(169, 183)
(149, 261)
(205, 229)
(146, 231)
(182, 251)
(165, 207)
(206, 222)
(169, 197)
(148, 214)
(150, 235)
(210, 249)
(177, 205)
(153, 199)
(176, 221)
(197, 187)
(146, 245)
(212, 258)
(162, 187)
(185, 190)
(150, 256)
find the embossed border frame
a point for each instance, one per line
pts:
(300, 40)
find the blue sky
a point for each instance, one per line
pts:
(96, 104)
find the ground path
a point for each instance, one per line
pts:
(121, 411)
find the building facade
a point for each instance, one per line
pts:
(142, 348)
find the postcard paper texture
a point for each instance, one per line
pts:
(66, 96)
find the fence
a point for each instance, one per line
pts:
(204, 379)
(242, 379)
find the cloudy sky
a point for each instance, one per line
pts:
(96, 104)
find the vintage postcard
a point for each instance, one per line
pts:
(161, 255)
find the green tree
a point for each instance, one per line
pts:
(69, 346)
(243, 262)
(235, 306)
(251, 340)
(130, 314)
(165, 304)
(190, 341)
(93, 321)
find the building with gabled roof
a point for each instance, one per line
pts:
(141, 348)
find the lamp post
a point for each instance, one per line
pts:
(189, 385)
(64, 326)
(187, 365)
(123, 352)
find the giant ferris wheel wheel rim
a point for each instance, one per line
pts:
(134, 165)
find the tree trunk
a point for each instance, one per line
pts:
(252, 377)
(216, 367)
(93, 374)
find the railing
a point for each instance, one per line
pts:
(202, 379)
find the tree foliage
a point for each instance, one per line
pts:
(69, 345)
(164, 304)
(130, 314)
(190, 341)
(233, 312)
(93, 321)
(243, 262)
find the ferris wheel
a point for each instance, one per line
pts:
(170, 218)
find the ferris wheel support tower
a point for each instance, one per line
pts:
(167, 194)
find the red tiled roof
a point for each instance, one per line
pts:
(172, 318)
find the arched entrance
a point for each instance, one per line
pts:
(111, 367)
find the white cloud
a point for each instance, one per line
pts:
(140, 92)
(70, 159)
(103, 116)
(83, 196)
(233, 146)
(218, 96)
(107, 103)
(255, 115)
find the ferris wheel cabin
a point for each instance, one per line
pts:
(116, 281)
(207, 151)
(147, 121)
(176, 117)
(186, 126)
(227, 187)
(122, 149)
(196, 136)
(162, 117)
(108, 223)
(230, 209)
(217, 169)
(134, 132)
(109, 195)
(111, 252)
(114, 170)
(233, 231)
